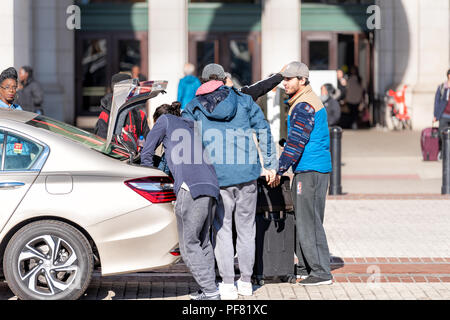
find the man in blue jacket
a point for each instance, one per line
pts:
(187, 85)
(228, 120)
(307, 151)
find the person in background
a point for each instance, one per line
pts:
(332, 106)
(136, 73)
(136, 122)
(8, 89)
(197, 190)
(354, 95)
(30, 95)
(188, 85)
(442, 107)
(307, 151)
(341, 91)
(222, 111)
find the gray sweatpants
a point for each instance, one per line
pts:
(237, 201)
(309, 191)
(194, 219)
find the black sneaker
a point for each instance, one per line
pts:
(292, 278)
(314, 281)
(200, 295)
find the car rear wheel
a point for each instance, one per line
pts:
(48, 260)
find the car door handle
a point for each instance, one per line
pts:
(11, 185)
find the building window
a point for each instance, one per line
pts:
(319, 57)
(94, 68)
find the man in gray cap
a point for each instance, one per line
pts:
(228, 120)
(307, 151)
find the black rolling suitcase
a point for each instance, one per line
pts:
(275, 231)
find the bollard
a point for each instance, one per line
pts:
(335, 148)
(446, 161)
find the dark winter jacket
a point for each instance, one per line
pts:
(184, 154)
(136, 122)
(441, 101)
(31, 97)
(260, 88)
(333, 110)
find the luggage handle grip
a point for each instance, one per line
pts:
(269, 217)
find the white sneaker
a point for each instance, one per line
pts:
(244, 288)
(228, 291)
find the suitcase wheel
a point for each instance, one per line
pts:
(258, 280)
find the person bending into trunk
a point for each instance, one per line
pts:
(197, 191)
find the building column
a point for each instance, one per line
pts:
(54, 56)
(281, 44)
(433, 54)
(168, 44)
(412, 49)
(281, 34)
(15, 42)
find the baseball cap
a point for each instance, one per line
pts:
(296, 69)
(212, 69)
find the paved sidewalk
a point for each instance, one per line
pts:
(378, 162)
(382, 249)
(389, 235)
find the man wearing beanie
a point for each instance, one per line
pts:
(307, 151)
(228, 120)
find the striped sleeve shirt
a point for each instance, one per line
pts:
(301, 124)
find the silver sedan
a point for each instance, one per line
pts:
(71, 202)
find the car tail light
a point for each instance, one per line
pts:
(175, 252)
(154, 189)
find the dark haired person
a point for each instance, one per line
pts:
(354, 95)
(442, 107)
(30, 95)
(8, 89)
(197, 191)
(136, 122)
(307, 151)
(229, 119)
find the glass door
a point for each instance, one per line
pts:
(99, 55)
(238, 53)
(94, 72)
(319, 50)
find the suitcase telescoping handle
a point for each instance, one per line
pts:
(270, 216)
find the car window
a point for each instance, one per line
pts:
(75, 134)
(20, 153)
